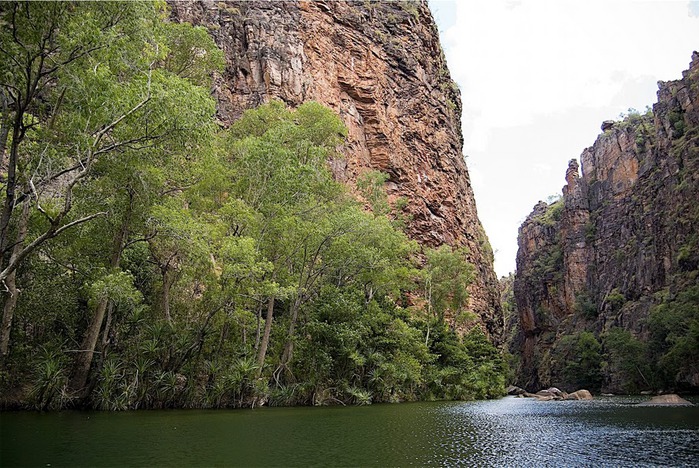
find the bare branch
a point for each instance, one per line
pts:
(52, 232)
(79, 221)
(140, 239)
(38, 206)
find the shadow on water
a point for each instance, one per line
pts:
(506, 432)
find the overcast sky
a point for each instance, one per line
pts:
(537, 79)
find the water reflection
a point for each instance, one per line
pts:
(507, 432)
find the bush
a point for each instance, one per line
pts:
(582, 359)
(627, 360)
(615, 299)
(674, 342)
(585, 306)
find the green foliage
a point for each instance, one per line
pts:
(410, 6)
(466, 368)
(548, 265)
(590, 232)
(370, 184)
(627, 360)
(49, 380)
(676, 119)
(585, 306)
(447, 276)
(484, 243)
(688, 255)
(615, 299)
(581, 360)
(190, 53)
(117, 287)
(201, 231)
(674, 343)
(553, 213)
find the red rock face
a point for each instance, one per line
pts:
(380, 66)
(618, 233)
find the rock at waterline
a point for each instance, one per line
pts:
(551, 391)
(515, 390)
(666, 400)
(579, 395)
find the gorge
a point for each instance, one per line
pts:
(243, 203)
(606, 286)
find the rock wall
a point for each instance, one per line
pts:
(623, 238)
(380, 66)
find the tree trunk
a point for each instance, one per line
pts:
(167, 283)
(11, 183)
(107, 326)
(83, 361)
(259, 326)
(265, 337)
(224, 336)
(13, 293)
(289, 347)
(4, 127)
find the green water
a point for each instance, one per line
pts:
(507, 432)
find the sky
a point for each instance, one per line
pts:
(537, 79)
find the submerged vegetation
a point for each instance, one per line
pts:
(152, 260)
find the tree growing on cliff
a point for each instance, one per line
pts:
(627, 360)
(447, 276)
(674, 342)
(581, 360)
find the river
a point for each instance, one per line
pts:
(506, 432)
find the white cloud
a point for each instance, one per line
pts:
(538, 77)
(542, 57)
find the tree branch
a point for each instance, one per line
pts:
(52, 232)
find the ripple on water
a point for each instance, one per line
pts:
(507, 432)
(603, 432)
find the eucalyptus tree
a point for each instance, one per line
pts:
(280, 164)
(447, 275)
(96, 98)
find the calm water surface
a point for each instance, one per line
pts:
(506, 432)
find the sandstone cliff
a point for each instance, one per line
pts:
(380, 66)
(603, 273)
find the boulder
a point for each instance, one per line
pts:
(579, 395)
(666, 400)
(607, 124)
(514, 390)
(551, 391)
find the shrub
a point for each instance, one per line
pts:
(674, 342)
(627, 360)
(582, 358)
